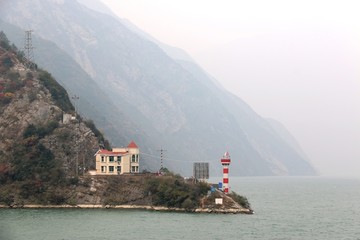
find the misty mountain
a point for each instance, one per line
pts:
(92, 100)
(173, 52)
(133, 89)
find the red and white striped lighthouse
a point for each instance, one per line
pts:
(225, 161)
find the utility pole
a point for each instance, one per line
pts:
(161, 150)
(77, 163)
(76, 98)
(83, 153)
(28, 50)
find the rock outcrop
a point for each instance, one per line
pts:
(33, 105)
(40, 148)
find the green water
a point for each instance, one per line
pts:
(285, 208)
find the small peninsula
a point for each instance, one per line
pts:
(47, 150)
(167, 192)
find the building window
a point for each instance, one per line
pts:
(118, 169)
(111, 168)
(111, 158)
(133, 158)
(119, 158)
(102, 159)
(103, 169)
(137, 157)
(134, 169)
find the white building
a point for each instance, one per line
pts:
(118, 161)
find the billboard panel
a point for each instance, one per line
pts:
(201, 170)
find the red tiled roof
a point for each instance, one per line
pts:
(132, 144)
(107, 152)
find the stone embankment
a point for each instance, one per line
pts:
(139, 207)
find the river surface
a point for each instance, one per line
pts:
(294, 208)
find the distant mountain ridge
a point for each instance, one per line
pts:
(164, 102)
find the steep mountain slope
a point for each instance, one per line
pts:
(41, 149)
(282, 132)
(258, 139)
(93, 103)
(173, 103)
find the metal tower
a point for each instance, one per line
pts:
(161, 150)
(28, 50)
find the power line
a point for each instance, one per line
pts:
(176, 160)
(165, 158)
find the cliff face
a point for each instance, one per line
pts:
(33, 105)
(43, 144)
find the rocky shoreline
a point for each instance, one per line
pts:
(139, 207)
(127, 192)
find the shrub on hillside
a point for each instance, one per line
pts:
(90, 124)
(7, 62)
(4, 41)
(58, 93)
(40, 131)
(243, 201)
(6, 98)
(173, 191)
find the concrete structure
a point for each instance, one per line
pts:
(118, 161)
(67, 118)
(225, 161)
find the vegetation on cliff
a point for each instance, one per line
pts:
(243, 201)
(58, 93)
(41, 156)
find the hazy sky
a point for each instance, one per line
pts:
(294, 61)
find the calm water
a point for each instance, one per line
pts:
(285, 208)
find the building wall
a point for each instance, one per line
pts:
(129, 162)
